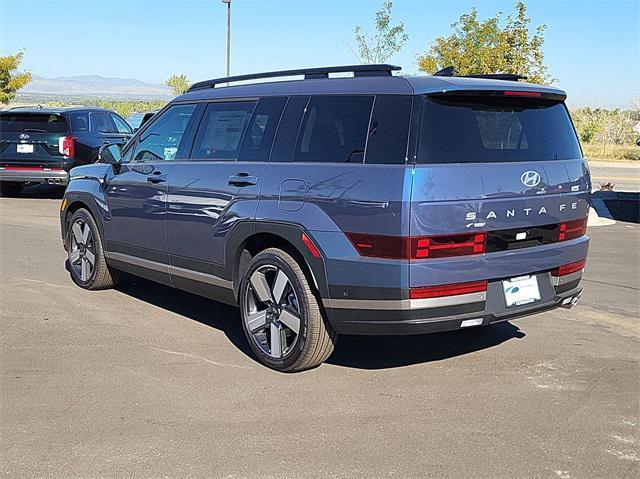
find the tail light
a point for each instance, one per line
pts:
(572, 229)
(399, 247)
(66, 146)
(526, 94)
(569, 268)
(447, 290)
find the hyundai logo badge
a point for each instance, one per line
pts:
(530, 178)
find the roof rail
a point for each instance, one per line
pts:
(450, 72)
(38, 106)
(309, 73)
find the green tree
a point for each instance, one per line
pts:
(494, 45)
(384, 43)
(178, 84)
(11, 80)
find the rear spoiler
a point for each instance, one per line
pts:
(514, 93)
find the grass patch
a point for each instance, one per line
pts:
(601, 151)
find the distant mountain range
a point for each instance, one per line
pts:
(95, 85)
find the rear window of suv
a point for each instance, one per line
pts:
(33, 123)
(492, 129)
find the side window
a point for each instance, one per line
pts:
(121, 125)
(389, 130)
(79, 121)
(285, 141)
(257, 142)
(161, 140)
(221, 130)
(101, 122)
(334, 129)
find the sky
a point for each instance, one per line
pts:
(592, 47)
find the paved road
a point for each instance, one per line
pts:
(625, 175)
(145, 381)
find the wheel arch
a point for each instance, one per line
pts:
(74, 203)
(287, 237)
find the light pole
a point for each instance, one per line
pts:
(228, 2)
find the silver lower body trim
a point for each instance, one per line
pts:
(405, 304)
(171, 270)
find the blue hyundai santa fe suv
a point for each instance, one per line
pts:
(368, 204)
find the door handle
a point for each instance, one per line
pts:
(156, 177)
(243, 179)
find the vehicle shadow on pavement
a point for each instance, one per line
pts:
(197, 308)
(382, 352)
(363, 352)
(42, 191)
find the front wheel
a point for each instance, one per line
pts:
(281, 316)
(86, 261)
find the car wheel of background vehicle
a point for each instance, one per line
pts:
(86, 260)
(281, 317)
(11, 189)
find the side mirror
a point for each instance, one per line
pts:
(111, 154)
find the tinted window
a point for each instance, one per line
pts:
(258, 139)
(102, 122)
(121, 125)
(221, 130)
(389, 130)
(285, 141)
(79, 121)
(473, 129)
(160, 141)
(334, 129)
(33, 123)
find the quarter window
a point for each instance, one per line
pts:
(161, 140)
(334, 129)
(221, 130)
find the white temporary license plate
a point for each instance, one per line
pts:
(521, 290)
(23, 148)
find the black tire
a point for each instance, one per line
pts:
(315, 340)
(101, 276)
(11, 189)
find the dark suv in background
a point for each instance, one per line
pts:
(41, 145)
(375, 204)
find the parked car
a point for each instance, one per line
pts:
(41, 145)
(376, 204)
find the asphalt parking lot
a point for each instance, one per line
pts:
(145, 381)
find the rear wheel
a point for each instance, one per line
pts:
(86, 260)
(11, 188)
(281, 316)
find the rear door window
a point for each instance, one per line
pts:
(258, 139)
(494, 129)
(334, 129)
(285, 141)
(121, 125)
(102, 122)
(33, 123)
(221, 130)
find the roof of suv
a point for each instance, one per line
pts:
(399, 85)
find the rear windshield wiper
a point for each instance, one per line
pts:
(35, 130)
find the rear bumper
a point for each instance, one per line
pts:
(401, 317)
(57, 177)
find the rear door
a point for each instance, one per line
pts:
(32, 139)
(218, 186)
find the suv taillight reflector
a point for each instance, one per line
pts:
(398, 247)
(572, 229)
(569, 268)
(447, 290)
(66, 146)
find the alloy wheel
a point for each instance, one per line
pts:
(272, 311)
(82, 255)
